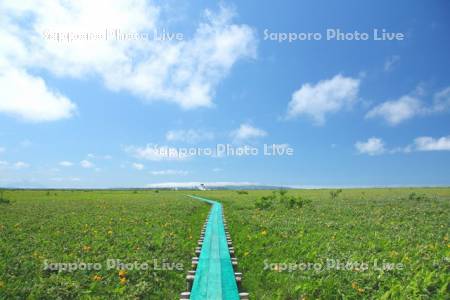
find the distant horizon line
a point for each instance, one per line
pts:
(236, 187)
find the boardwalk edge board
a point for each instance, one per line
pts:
(191, 275)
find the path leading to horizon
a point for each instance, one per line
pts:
(214, 277)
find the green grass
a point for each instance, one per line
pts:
(405, 226)
(401, 226)
(92, 227)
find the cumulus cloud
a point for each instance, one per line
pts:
(138, 166)
(191, 136)
(407, 107)
(156, 152)
(325, 97)
(29, 98)
(247, 132)
(17, 165)
(95, 156)
(197, 184)
(426, 143)
(86, 164)
(169, 172)
(65, 163)
(441, 101)
(70, 179)
(373, 146)
(397, 111)
(21, 165)
(183, 72)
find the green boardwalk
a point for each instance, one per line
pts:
(214, 277)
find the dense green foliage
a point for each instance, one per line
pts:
(396, 226)
(275, 235)
(92, 227)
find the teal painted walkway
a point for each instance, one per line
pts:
(214, 277)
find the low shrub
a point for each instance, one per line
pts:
(264, 202)
(418, 197)
(3, 200)
(281, 198)
(334, 194)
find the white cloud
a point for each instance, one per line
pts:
(59, 179)
(3, 163)
(217, 170)
(95, 156)
(169, 172)
(441, 101)
(27, 97)
(65, 163)
(197, 184)
(2, 149)
(426, 143)
(327, 96)
(21, 165)
(138, 166)
(156, 152)
(189, 136)
(86, 164)
(397, 111)
(246, 132)
(373, 146)
(407, 107)
(183, 72)
(391, 62)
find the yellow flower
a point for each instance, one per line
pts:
(97, 277)
(264, 232)
(110, 232)
(123, 281)
(357, 288)
(86, 248)
(246, 253)
(122, 273)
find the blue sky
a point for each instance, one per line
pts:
(91, 113)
